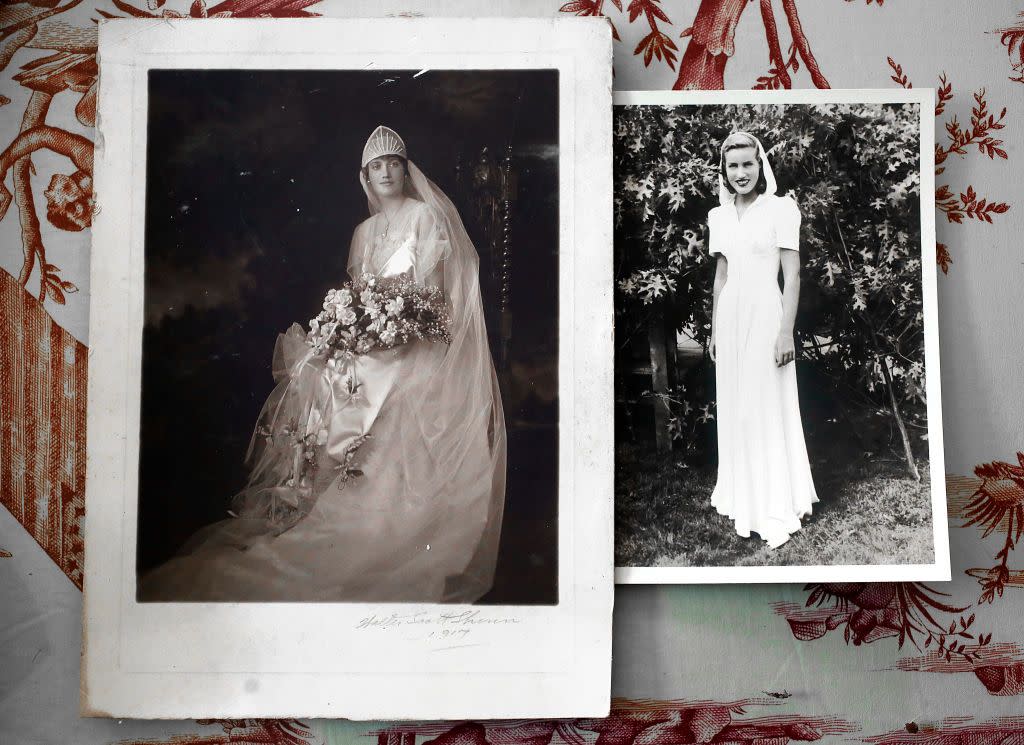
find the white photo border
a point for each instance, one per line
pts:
(940, 569)
(216, 660)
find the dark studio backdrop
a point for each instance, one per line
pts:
(252, 197)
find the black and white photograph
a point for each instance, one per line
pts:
(777, 377)
(346, 280)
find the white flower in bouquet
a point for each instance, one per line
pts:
(388, 335)
(347, 316)
(394, 307)
(367, 297)
(342, 298)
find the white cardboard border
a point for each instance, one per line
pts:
(234, 660)
(940, 569)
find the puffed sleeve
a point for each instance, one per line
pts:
(432, 247)
(715, 237)
(787, 224)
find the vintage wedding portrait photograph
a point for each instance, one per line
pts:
(776, 352)
(340, 258)
(348, 342)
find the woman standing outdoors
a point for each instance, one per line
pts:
(764, 476)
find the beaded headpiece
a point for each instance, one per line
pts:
(383, 141)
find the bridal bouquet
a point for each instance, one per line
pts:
(377, 313)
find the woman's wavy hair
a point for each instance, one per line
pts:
(738, 141)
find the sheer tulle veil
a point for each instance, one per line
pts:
(452, 401)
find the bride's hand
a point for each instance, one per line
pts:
(785, 351)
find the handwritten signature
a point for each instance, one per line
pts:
(468, 619)
(434, 627)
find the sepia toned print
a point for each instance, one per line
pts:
(354, 432)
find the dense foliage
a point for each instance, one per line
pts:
(854, 171)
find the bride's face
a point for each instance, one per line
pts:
(386, 175)
(742, 169)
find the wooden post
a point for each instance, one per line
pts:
(908, 452)
(656, 339)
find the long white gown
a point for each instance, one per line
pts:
(422, 522)
(764, 476)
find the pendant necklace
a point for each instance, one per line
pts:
(387, 221)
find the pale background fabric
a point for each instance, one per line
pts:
(721, 644)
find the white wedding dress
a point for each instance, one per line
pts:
(421, 522)
(764, 476)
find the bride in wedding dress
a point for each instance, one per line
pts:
(764, 476)
(380, 478)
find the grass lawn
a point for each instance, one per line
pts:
(870, 512)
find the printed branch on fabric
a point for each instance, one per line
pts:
(69, 198)
(1012, 37)
(712, 40)
(997, 507)
(868, 611)
(998, 667)
(961, 140)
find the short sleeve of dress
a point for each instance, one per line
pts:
(787, 224)
(715, 237)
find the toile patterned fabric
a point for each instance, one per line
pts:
(862, 662)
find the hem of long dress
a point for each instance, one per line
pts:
(774, 538)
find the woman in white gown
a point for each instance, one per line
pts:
(411, 513)
(764, 477)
